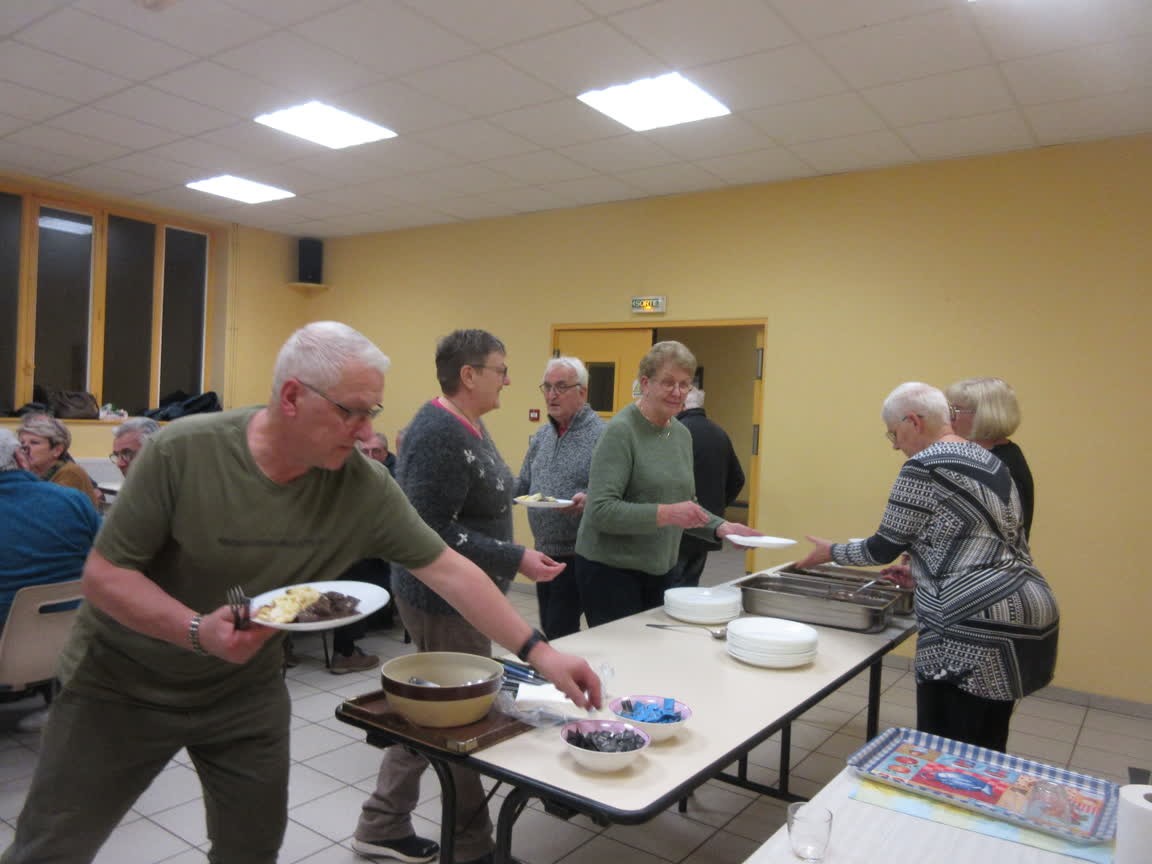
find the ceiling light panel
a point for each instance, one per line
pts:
(239, 189)
(323, 124)
(651, 103)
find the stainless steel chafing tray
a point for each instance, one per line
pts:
(852, 577)
(816, 601)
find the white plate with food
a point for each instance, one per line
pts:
(542, 502)
(279, 608)
(761, 542)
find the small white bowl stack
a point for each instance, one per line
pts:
(703, 605)
(773, 643)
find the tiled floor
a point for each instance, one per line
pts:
(333, 770)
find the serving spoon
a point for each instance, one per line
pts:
(714, 632)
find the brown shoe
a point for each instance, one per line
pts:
(357, 661)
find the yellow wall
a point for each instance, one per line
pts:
(1034, 266)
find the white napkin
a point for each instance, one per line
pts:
(529, 696)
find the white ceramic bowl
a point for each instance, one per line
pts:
(656, 731)
(594, 760)
(467, 685)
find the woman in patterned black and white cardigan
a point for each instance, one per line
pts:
(988, 620)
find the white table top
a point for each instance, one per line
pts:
(731, 702)
(866, 834)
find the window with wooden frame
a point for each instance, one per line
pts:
(103, 299)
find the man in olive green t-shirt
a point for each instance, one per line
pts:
(262, 498)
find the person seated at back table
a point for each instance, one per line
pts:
(129, 438)
(45, 441)
(45, 534)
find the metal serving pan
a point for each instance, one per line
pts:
(799, 598)
(852, 577)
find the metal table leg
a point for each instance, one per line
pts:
(514, 803)
(874, 673)
(448, 810)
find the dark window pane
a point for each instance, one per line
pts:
(9, 296)
(63, 288)
(601, 386)
(128, 313)
(182, 327)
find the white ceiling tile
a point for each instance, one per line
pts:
(288, 61)
(542, 166)
(498, 22)
(181, 198)
(19, 158)
(361, 196)
(1078, 72)
(65, 143)
(482, 84)
(910, 48)
(690, 33)
(815, 18)
(29, 104)
(1132, 16)
(165, 110)
(594, 190)
(295, 178)
(285, 12)
(474, 207)
(399, 107)
(718, 136)
(772, 77)
(854, 152)
(412, 41)
(630, 152)
(470, 179)
(8, 123)
(965, 136)
(528, 199)
(106, 126)
(15, 14)
(103, 45)
(202, 27)
(39, 70)
(1013, 28)
(475, 140)
(417, 188)
(105, 179)
(759, 166)
(262, 141)
(1095, 117)
(555, 124)
(216, 86)
(586, 57)
(211, 158)
(825, 117)
(390, 158)
(286, 209)
(155, 167)
(979, 90)
(672, 179)
(609, 7)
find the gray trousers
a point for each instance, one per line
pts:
(98, 755)
(387, 815)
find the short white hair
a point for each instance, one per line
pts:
(318, 353)
(146, 427)
(9, 444)
(573, 363)
(694, 399)
(915, 397)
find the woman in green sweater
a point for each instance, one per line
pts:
(642, 495)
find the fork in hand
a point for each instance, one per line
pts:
(240, 606)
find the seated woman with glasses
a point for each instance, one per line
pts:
(988, 621)
(984, 410)
(44, 442)
(129, 438)
(642, 495)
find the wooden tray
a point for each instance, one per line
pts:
(374, 712)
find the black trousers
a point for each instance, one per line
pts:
(559, 601)
(609, 593)
(688, 570)
(944, 709)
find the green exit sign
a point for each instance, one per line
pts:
(649, 305)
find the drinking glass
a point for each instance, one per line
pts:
(809, 830)
(1048, 804)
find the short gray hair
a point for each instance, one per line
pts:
(146, 427)
(694, 398)
(914, 397)
(663, 353)
(319, 352)
(462, 348)
(573, 363)
(992, 401)
(9, 444)
(46, 426)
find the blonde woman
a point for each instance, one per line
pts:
(44, 441)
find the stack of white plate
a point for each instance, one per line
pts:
(703, 605)
(772, 642)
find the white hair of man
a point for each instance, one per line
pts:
(914, 397)
(145, 427)
(318, 354)
(694, 399)
(9, 446)
(573, 363)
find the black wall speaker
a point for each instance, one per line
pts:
(310, 260)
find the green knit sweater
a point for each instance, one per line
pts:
(637, 466)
